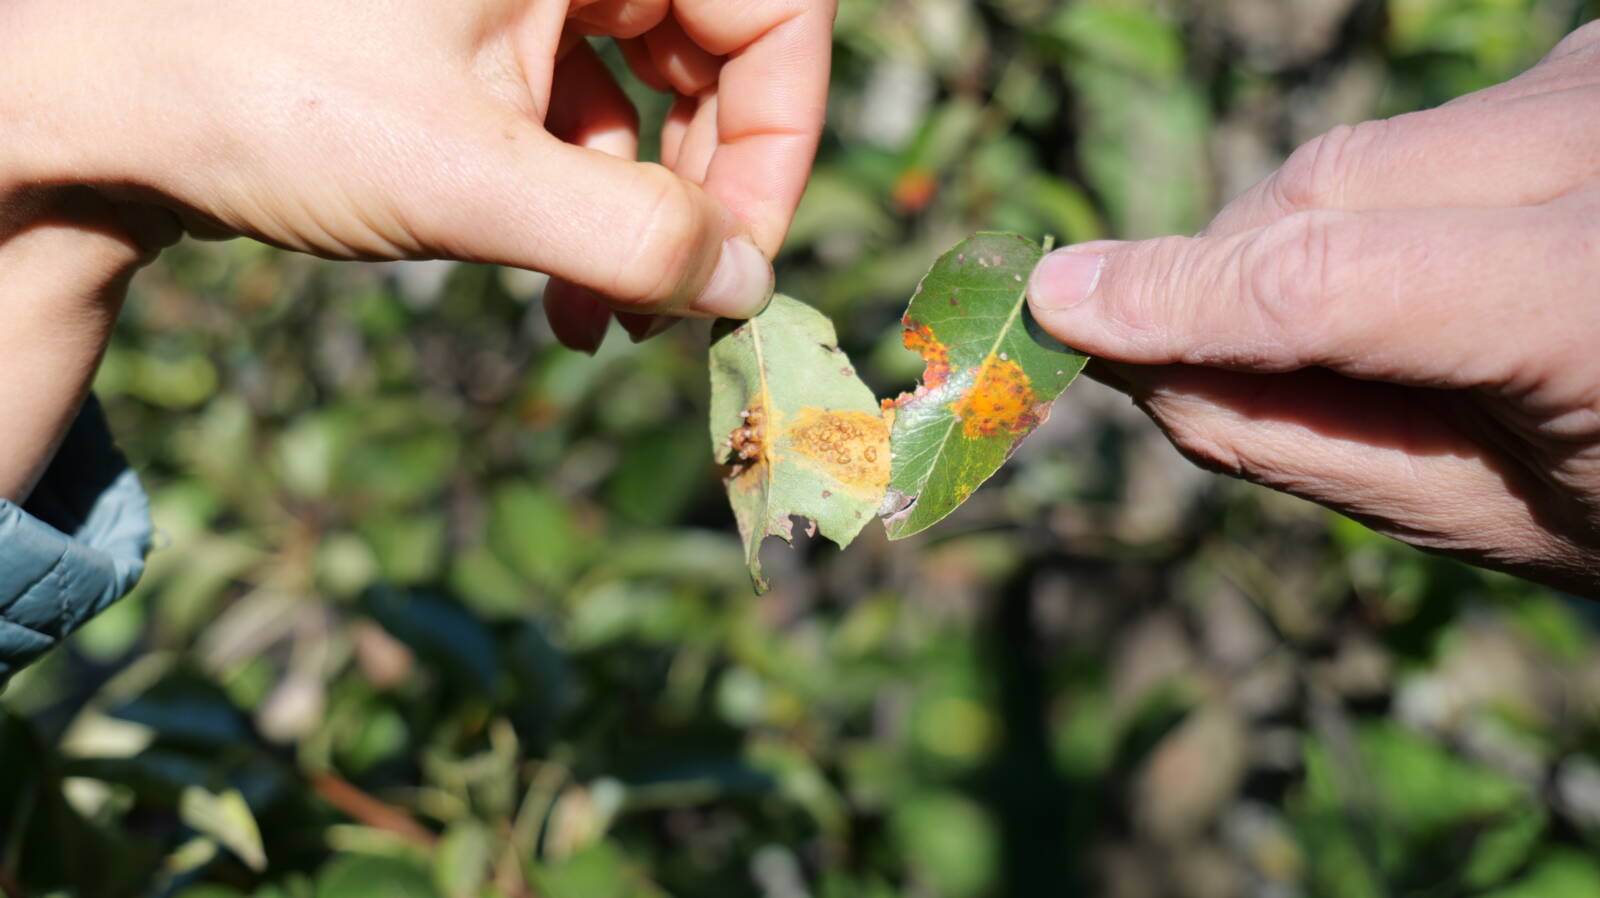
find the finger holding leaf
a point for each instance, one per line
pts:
(803, 436)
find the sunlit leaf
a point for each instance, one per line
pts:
(803, 436)
(991, 375)
(949, 840)
(226, 818)
(461, 864)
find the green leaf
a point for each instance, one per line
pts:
(534, 533)
(802, 434)
(1132, 40)
(226, 818)
(1561, 873)
(210, 890)
(461, 864)
(600, 871)
(991, 376)
(359, 875)
(1503, 848)
(949, 840)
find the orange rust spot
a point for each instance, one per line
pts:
(914, 190)
(919, 338)
(850, 447)
(1001, 401)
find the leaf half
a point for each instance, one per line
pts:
(800, 432)
(991, 376)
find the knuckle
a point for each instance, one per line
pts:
(1317, 174)
(1136, 291)
(624, 18)
(1583, 40)
(1290, 273)
(668, 248)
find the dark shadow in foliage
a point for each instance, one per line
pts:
(51, 845)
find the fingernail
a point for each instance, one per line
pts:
(644, 327)
(742, 284)
(577, 317)
(1067, 277)
(591, 336)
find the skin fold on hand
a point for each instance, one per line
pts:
(1403, 323)
(477, 130)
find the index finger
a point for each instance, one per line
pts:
(772, 99)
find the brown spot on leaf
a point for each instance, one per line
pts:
(748, 441)
(1001, 401)
(747, 449)
(850, 447)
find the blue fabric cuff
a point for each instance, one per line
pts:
(76, 546)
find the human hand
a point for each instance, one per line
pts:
(1402, 323)
(484, 131)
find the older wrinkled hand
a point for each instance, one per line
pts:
(1403, 323)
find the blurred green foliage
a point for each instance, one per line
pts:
(441, 609)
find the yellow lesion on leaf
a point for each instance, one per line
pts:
(852, 448)
(1000, 402)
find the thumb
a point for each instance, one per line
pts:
(1407, 296)
(1166, 301)
(635, 233)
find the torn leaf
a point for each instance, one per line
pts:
(800, 432)
(991, 376)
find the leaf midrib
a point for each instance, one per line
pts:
(768, 457)
(950, 426)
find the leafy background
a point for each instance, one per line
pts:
(441, 609)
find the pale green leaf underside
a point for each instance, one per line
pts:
(804, 436)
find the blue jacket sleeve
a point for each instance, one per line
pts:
(76, 546)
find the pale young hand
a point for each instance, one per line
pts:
(1403, 324)
(479, 130)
